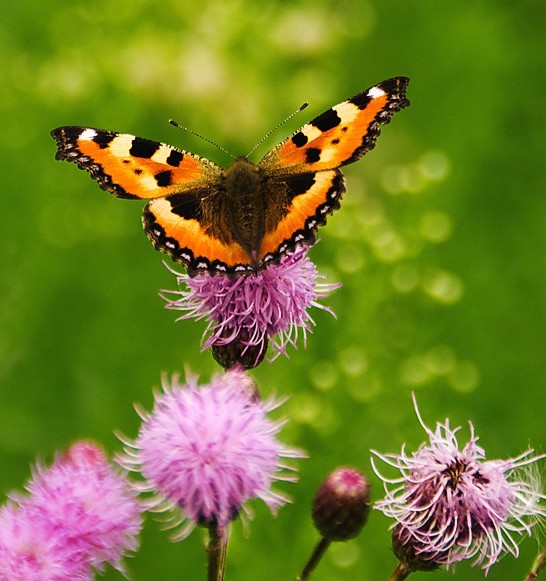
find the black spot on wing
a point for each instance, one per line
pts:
(175, 157)
(299, 139)
(361, 100)
(312, 155)
(187, 206)
(164, 178)
(143, 147)
(300, 183)
(104, 138)
(328, 120)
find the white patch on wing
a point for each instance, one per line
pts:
(347, 112)
(88, 135)
(148, 182)
(376, 92)
(161, 155)
(327, 154)
(121, 144)
(311, 132)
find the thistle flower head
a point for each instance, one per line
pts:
(88, 505)
(246, 313)
(34, 553)
(450, 503)
(78, 515)
(207, 450)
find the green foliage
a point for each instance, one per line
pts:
(439, 243)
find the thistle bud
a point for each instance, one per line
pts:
(407, 552)
(341, 505)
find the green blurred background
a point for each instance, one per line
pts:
(439, 243)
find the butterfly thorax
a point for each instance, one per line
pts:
(245, 205)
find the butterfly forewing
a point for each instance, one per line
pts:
(342, 134)
(132, 167)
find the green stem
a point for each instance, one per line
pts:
(319, 551)
(400, 573)
(217, 552)
(538, 567)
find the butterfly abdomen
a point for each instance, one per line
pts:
(245, 205)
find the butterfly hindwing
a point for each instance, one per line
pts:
(188, 233)
(307, 201)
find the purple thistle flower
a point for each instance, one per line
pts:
(86, 505)
(247, 312)
(207, 451)
(79, 514)
(451, 504)
(31, 552)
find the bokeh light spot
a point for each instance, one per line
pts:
(353, 361)
(435, 226)
(324, 375)
(405, 278)
(344, 555)
(444, 287)
(435, 165)
(465, 377)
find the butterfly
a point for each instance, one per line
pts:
(238, 220)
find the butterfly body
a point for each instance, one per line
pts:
(238, 220)
(245, 209)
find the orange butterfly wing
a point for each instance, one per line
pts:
(312, 197)
(180, 185)
(338, 137)
(342, 134)
(132, 167)
(193, 232)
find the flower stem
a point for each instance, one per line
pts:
(538, 566)
(319, 551)
(400, 573)
(217, 552)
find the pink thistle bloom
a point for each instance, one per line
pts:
(88, 507)
(32, 552)
(451, 504)
(247, 312)
(207, 450)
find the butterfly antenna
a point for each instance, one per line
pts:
(178, 126)
(299, 110)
